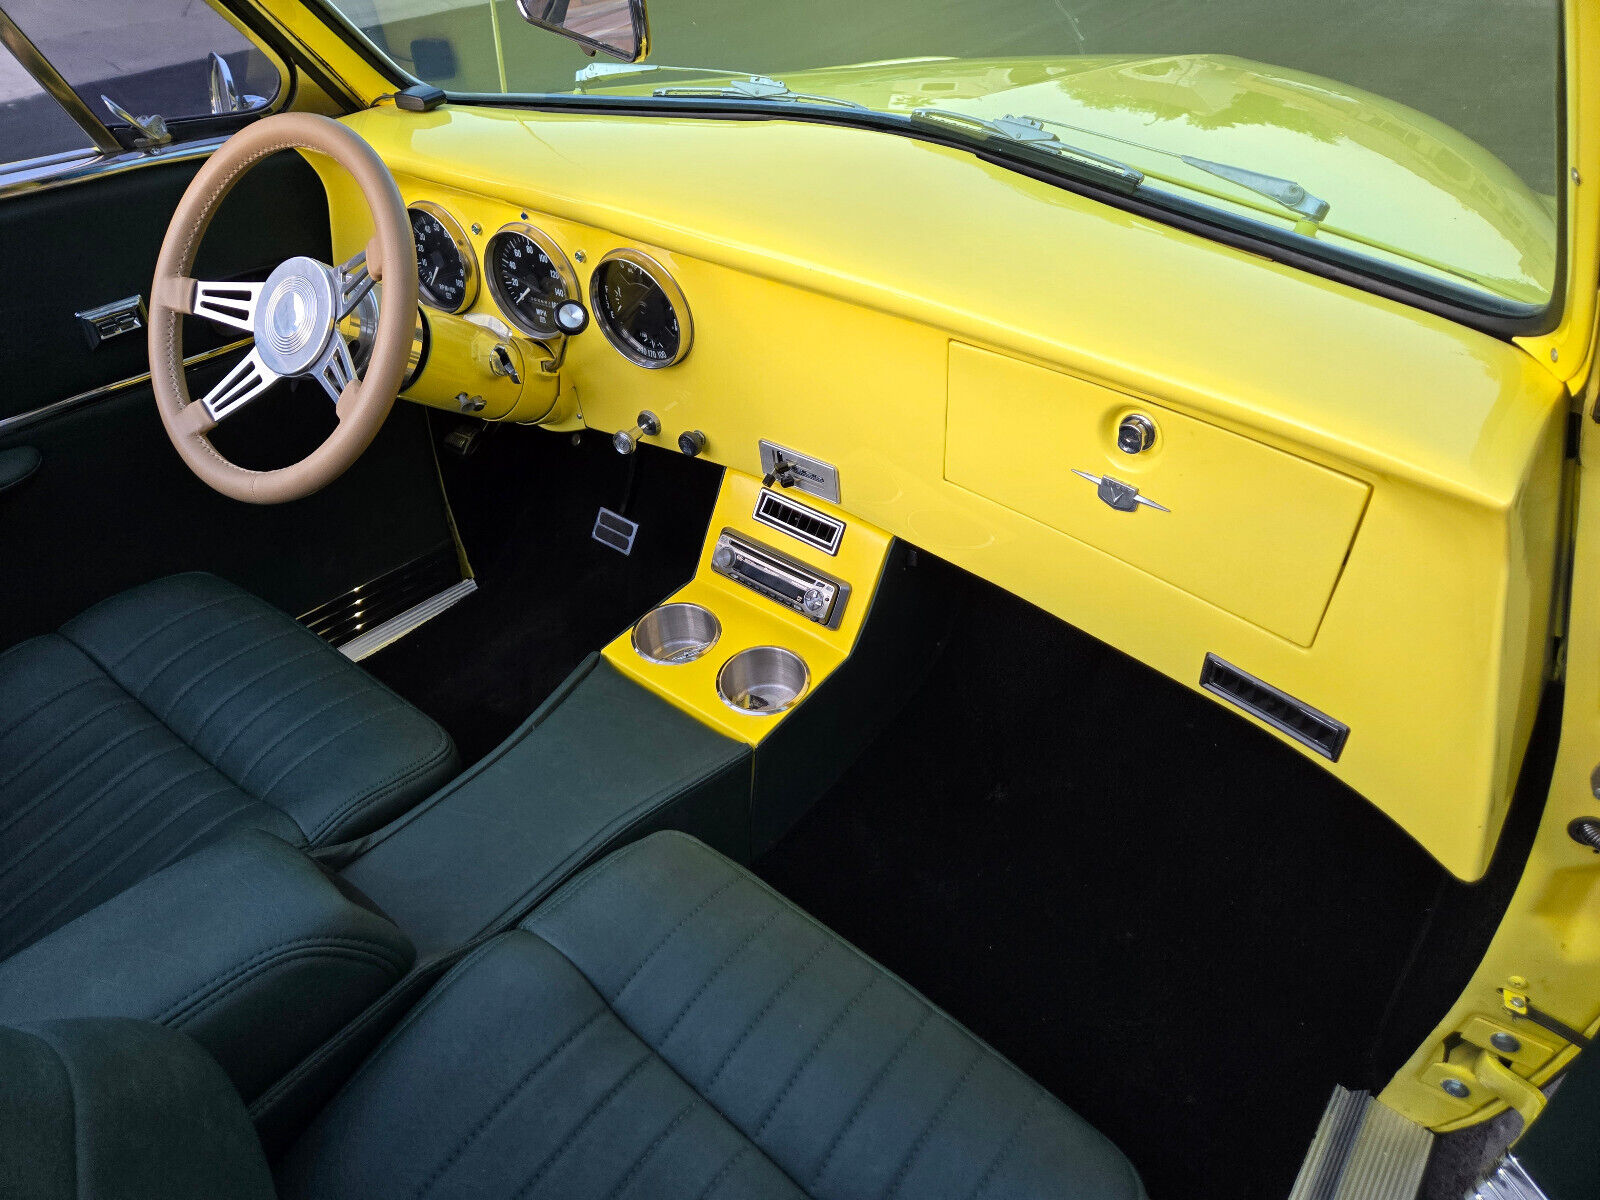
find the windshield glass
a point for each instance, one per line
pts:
(1416, 140)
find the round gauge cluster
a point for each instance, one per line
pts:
(640, 309)
(446, 275)
(530, 278)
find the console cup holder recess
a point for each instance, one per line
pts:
(763, 680)
(676, 633)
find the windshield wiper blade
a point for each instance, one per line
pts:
(1287, 192)
(755, 87)
(1030, 132)
(601, 70)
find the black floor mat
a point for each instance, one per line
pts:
(1175, 923)
(548, 594)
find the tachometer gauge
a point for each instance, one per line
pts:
(530, 278)
(641, 309)
(447, 277)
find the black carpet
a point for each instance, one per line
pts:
(548, 594)
(1175, 923)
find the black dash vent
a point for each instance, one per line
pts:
(1278, 709)
(798, 521)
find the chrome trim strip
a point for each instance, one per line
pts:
(47, 77)
(38, 175)
(35, 415)
(396, 628)
(1510, 1181)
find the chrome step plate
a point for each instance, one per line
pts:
(397, 627)
(1363, 1150)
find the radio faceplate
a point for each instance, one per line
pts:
(780, 578)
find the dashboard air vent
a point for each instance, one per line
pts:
(1278, 709)
(798, 521)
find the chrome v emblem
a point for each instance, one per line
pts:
(1123, 497)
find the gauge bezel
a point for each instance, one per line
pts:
(463, 244)
(558, 259)
(662, 279)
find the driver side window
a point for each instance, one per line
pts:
(175, 70)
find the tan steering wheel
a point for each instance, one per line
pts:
(293, 316)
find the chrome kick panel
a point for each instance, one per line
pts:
(787, 581)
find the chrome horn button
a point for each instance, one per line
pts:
(295, 316)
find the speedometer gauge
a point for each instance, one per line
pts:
(530, 278)
(640, 309)
(446, 275)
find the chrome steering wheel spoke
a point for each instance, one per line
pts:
(336, 369)
(227, 303)
(249, 377)
(354, 281)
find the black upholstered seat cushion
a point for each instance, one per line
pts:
(666, 1026)
(121, 1109)
(160, 718)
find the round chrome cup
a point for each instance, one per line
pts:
(676, 633)
(763, 680)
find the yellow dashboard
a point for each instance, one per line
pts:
(1343, 502)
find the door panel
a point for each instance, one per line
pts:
(74, 248)
(110, 504)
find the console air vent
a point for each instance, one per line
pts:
(798, 521)
(1278, 709)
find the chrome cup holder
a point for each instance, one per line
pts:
(674, 634)
(763, 680)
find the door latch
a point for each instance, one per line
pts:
(111, 320)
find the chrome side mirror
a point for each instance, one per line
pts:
(615, 27)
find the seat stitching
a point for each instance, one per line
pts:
(716, 1180)
(115, 863)
(224, 983)
(128, 814)
(327, 741)
(751, 1024)
(189, 648)
(931, 1124)
(645, 1155)
(667, 937)
(249, 683)
(89, 801)
(430, 1000)
(83, 764)
(39, 708)
(283, 737)
(872, 1090)
(218, 664)
(1004, 1152)
(595, 1110)
(733, 1123)
(129, 650)
(261, 711)
(700, 991)
(204, 830)
(576, 887)
(511, 1094)
(121, 858)
(443, 747)
(816, 1046)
